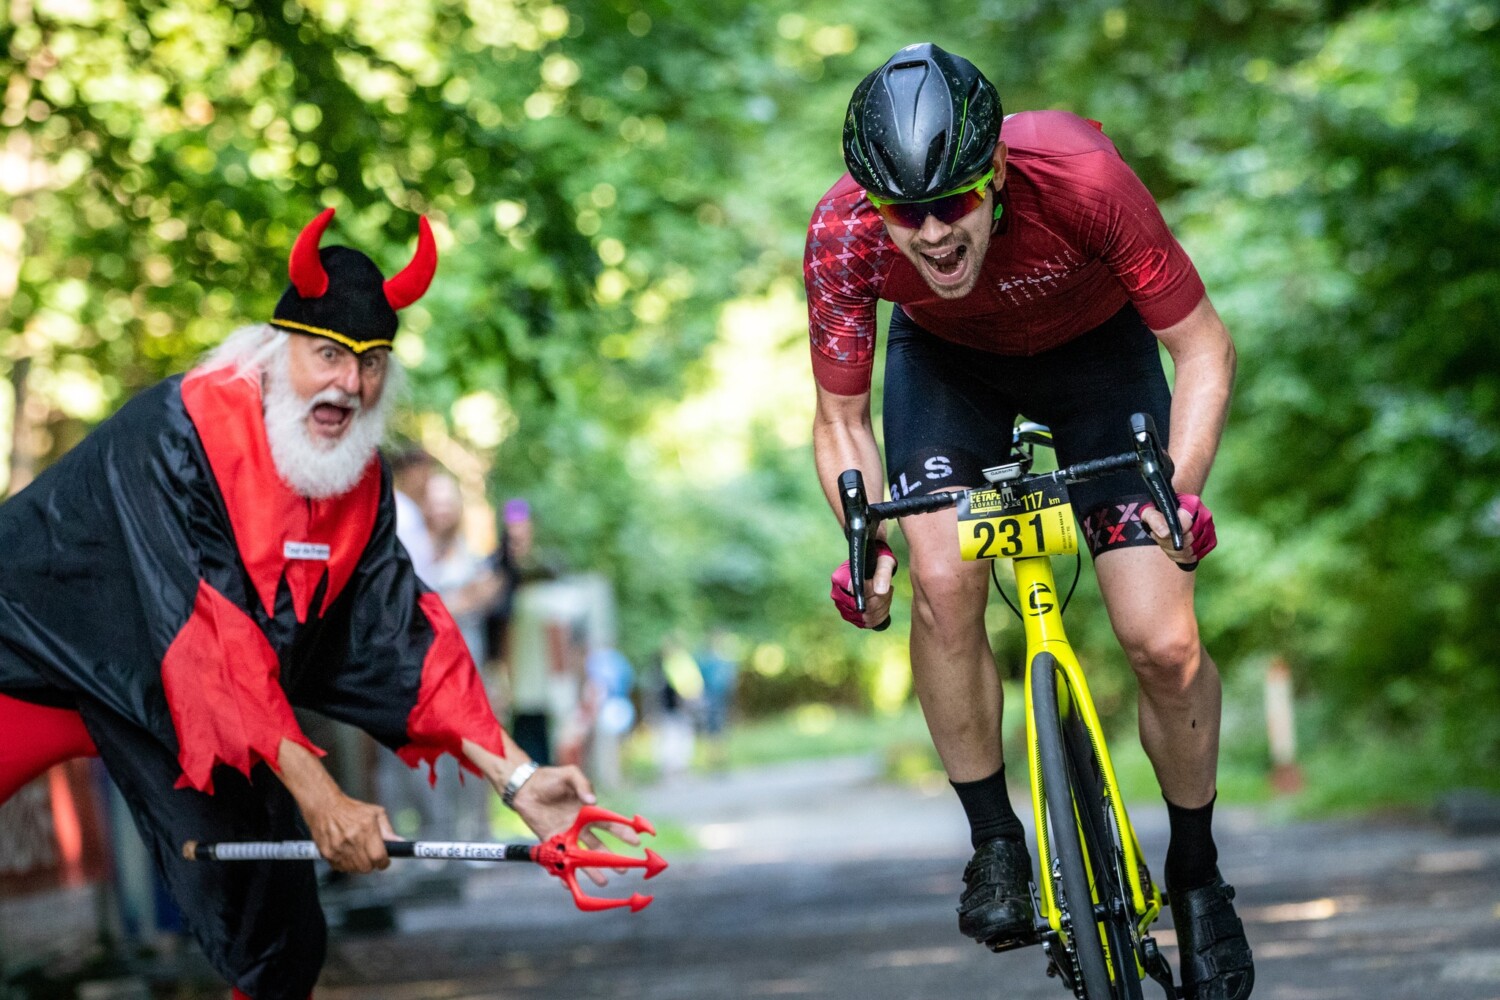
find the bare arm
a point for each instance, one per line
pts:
(349, 833)
(843, 438)
(549, 801)
(352, 834)
(1204, 357)
(478, 594)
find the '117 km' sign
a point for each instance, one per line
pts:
(1009, 524)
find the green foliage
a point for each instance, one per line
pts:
(1364, 450)
(610, 180)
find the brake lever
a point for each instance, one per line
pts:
(1157, 470)
(856, 527)
(857, 531)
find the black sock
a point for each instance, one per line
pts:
(1192, 857)
(987, 804)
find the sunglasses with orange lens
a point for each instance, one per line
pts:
(946, 208)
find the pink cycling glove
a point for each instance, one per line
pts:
(843, 590)
(1204, 536)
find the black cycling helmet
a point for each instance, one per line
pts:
(921, 125)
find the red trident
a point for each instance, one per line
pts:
(562, 856)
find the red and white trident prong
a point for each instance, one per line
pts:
(559, 855)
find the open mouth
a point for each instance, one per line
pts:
(946, 266)
(330, 420)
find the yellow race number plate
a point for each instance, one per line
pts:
(1012, 524)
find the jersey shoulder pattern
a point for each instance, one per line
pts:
(845, 265)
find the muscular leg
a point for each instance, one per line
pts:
(1150, 604)
(953, 668)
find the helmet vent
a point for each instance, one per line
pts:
(920, 125)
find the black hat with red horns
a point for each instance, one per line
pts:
(340, 294)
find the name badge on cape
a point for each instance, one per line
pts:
(312, 551)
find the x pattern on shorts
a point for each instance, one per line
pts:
(1116, 526)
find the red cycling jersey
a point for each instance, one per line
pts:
(1080, 237)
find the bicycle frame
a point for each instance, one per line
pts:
(999, 520)
(1042, 618)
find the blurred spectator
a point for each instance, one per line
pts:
(681, 688)
(720, 671)
(467, 587)
(572, 702)
(463, 580)
(410, 470)
(611, 677)
(576, 701)
(414, 808)
(514, 561)
(518, 558)
(538, 650)
(553, 704)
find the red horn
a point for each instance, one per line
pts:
(305, 266)
(409, 286)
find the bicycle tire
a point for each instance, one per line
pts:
(1067, 850)
(1101, 842)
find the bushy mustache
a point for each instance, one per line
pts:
(335, 397)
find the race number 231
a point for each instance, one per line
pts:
(1033, 524)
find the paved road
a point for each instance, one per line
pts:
(823, 882)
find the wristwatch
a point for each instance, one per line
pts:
(518, 777)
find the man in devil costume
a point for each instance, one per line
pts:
(222, 550)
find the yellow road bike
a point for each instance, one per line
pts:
(1096, 901)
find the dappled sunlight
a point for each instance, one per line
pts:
(1314, 909)
(425, 989)
(946, 955)
(720, 836)
(1446, 862)
(891, 685)
(782, 988)
(814, 719)
(1273, 950)
(757, 377)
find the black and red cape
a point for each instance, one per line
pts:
(164, 582)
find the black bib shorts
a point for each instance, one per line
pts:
(949, 411)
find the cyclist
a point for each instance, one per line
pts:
(1033, 274)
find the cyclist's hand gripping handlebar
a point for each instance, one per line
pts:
(1156, 470)
(857, 529)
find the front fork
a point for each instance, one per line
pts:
(1042, 618)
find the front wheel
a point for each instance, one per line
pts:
(1106, 857)
(1075, 896)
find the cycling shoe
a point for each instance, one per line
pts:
(996, 903)
(1215, 956)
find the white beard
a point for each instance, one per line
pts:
(316, 468)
